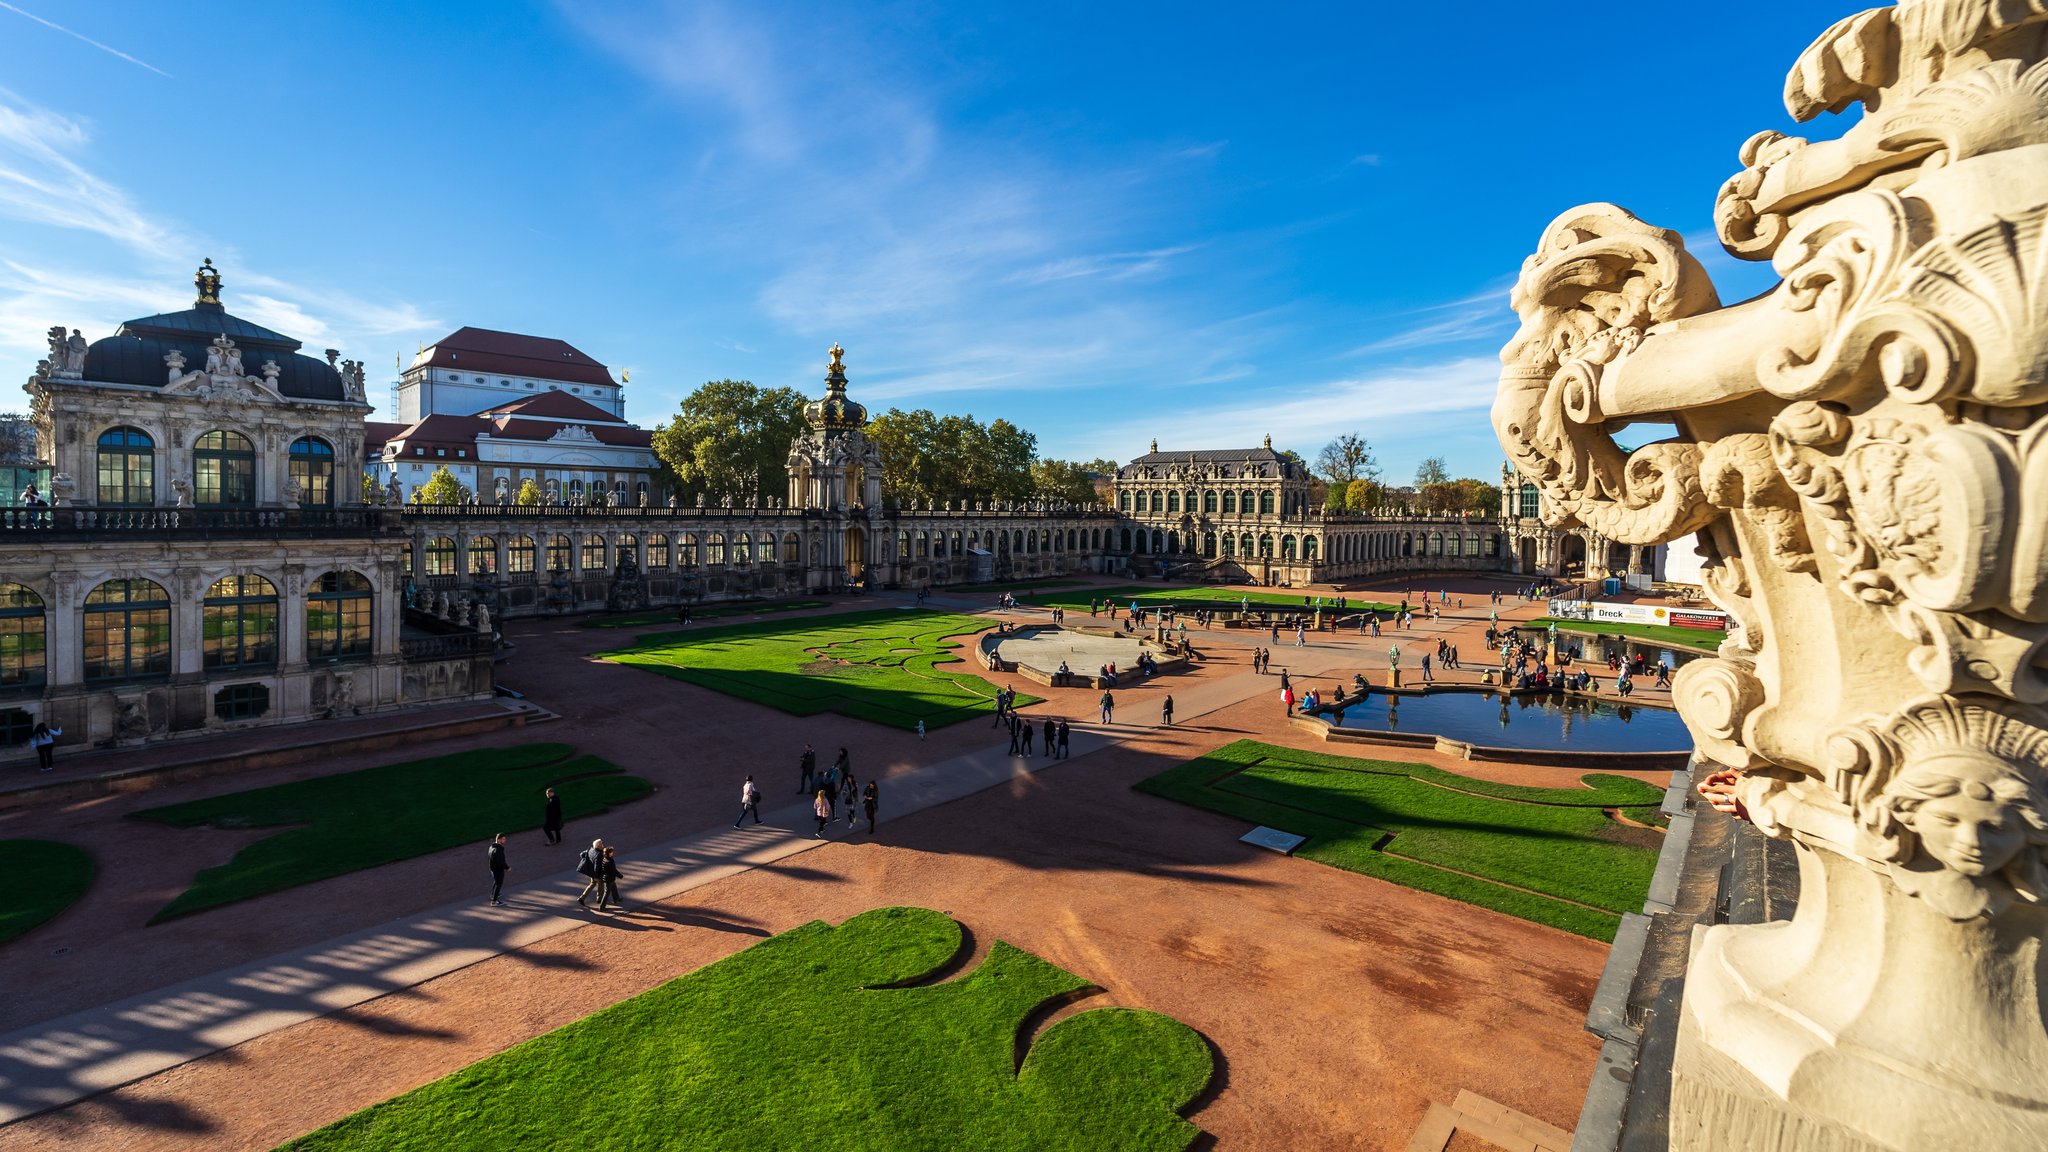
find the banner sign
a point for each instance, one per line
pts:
(1599, 611)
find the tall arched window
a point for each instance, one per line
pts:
(224, 466)
(593, 553)
(22, 661)
(1266, 502)
(1308, 548)
(1209, 500)
(1123, 501)
(1265, 545)
(714, 549)
(483, 556)
(686, 550)
(657, 550)
(1156, 507)
(1230, 503)
(519, 556)
(127, 467)
(338, 614)
(1244, 502)
(127, 630)
(1287, 547)
(1229, 546)
(558, 553)
(441, 556)
(792, 549)
(1531, 502)
(313, 467)
(629, 545)
(1173, 501)
(240, 631)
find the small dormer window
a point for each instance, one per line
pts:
(440, 451)
(529, 384)
(462, 452)
(419, 451)
(574, 388)
(481, 380)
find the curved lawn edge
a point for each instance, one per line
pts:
(48, 876)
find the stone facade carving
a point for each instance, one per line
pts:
(1865, 453)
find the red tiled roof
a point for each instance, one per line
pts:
(462, 431)
(617, 435)
(377, 433)
(553, 406)
(512, 354)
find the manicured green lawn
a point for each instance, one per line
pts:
(44, 878)
(1544, 854)
(883, 665)
(805, 1041)
(1654, 633)
(723, 612)
(356, 820)
(1196, 598)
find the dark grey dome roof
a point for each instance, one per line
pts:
(135, 353)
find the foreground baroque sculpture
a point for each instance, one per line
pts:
(1864, 453)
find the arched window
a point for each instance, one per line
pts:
(1287, 547)
(127, 466)
(127, 630)
(441, 556)
(240, 623)
(22, 658)
(1436, 544)
(1229, 546)
(1158, 540)
(224, 466)
(1265, 545)
(1123, 501)
(1230, 503)
(1308, 548)
(686, 550)
(1244, 545)
(1173, 543)
(1209, 544)
(793, 548)
(657, 550)
(924, 546)
(593, 553)
(1126, 538)
(312, 465)
(1244, 503)
(576, 490)
(1156, 506)
(519, 556)
(714, 549)
(558, 553)
(1209, 500)
(338, 614)
(1266, 502)
(1173, 501)
(628, 545)
(483, 556)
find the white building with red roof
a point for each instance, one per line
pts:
(498, 409)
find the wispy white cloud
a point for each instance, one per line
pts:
(89, 40)
(41, 182)
(1483, 316)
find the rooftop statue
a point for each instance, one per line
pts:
(1864, 451)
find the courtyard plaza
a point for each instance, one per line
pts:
(1417, 996)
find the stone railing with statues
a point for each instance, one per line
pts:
(1863, 452)
(84, 521)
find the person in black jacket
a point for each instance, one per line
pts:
(498, 868)
(809, 765)
(551, 824)
(590, 864)
(611, 879)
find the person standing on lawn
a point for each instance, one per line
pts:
(498, 868)
(1166, 711)
(809, 765)
(868, 800)
(1063, 738)
(750, 801)
(1108, 707)
(590, 865)
(610, 899)
(551, 821)
(823, 811)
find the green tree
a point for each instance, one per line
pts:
(1363, 495)
(1336, 498)
(443, 488)
(1345, 459)
(1063, 480)
(731, 438)
(529, 493)
(1005, 467)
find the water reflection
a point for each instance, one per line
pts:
(1537, 721)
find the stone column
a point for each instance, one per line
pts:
(1865, 452)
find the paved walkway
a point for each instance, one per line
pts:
(60, 1061)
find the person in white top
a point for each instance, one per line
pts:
(750, 801)
(43, 739)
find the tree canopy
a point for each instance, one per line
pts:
(941, 458)
(443, 488)
(1346, 458)
(731, 438)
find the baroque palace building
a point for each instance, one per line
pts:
(210, 557)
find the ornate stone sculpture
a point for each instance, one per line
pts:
(1864, 451)
(394, 492)
(67, 354)
(292, 492)
(223, 359)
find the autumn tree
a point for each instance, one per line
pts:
(528, 495)
(443, 488)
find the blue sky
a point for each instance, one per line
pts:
(1108, 223)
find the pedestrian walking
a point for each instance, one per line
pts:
(809, 764)
(551, 820)
(842, 767)
(868, 800)
(1015, 738)
(1301, 635)
(750, 801)
(1166, 711)
(498, 867)
(590, 865)
(1063, 738)
(920, 731)
(1425, 668)
(1108, 707)
(611, 879)
(822, 809)
(43, 739)
(849, 795)
(1024, 736)
(1050, 734)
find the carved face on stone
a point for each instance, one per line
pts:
(1970, 810)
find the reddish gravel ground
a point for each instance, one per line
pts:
(1341, 1005)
